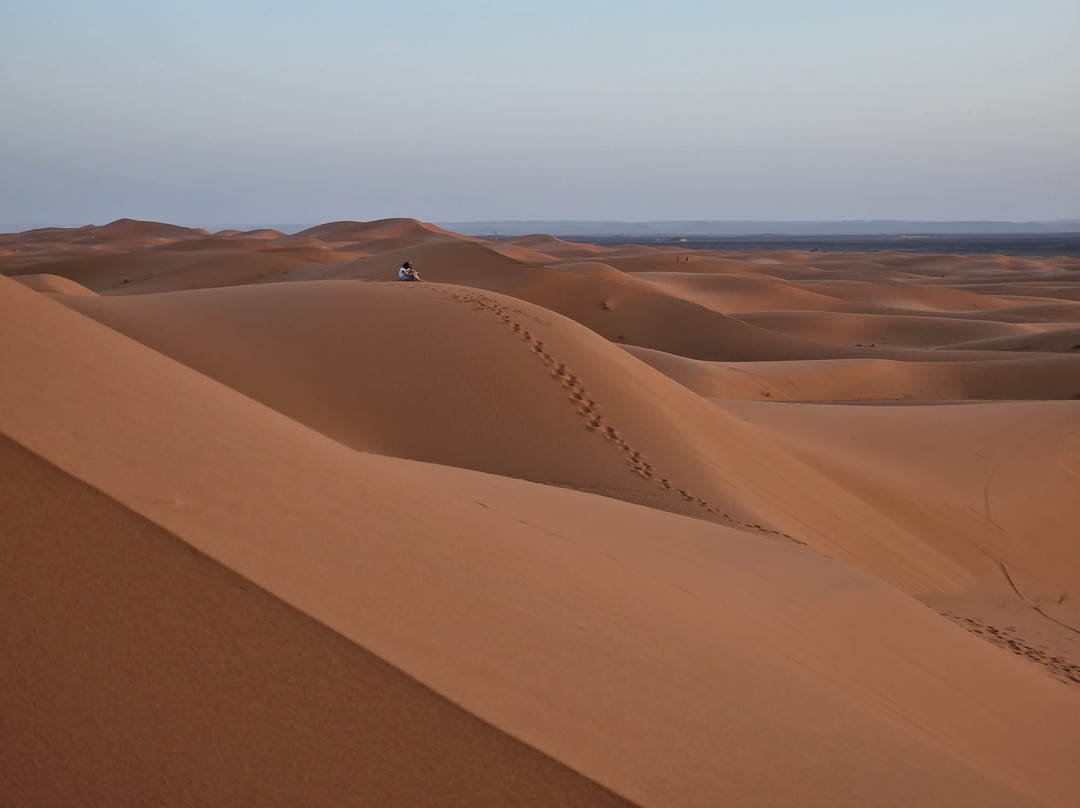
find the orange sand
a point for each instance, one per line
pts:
(563, 525)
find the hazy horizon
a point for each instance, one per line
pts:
(732, 227)
(638, 111)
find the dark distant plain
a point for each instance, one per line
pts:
(1045, 245)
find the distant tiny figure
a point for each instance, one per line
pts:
(407, 273)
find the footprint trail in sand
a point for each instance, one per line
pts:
(589, 409)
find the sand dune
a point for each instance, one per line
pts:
(1032, 377)
(213, 242)
(741, 666)
(379, 236)
(619, 307)
(523, 254)
(1007, 510)
(739, 293)
(138, 272)
(262, 703)
(1058, 338)
(259, 233)
(850, 328)
(1063, 312)
(557, 247)
(370, 365)
(100, 270)
(915, 298)
(53, 285)
(546, 529)
(126, 232)
(1016, 289)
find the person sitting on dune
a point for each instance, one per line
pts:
(407, 273)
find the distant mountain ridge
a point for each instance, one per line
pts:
(566, 227)
(876, 227)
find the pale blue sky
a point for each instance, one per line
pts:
(207, 112)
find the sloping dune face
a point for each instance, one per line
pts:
(561, 525)
(455, 376)
(266, 704)
(53, 285)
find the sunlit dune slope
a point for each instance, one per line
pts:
(993, 484)
(849, 328)
(1012, 469)
(906, 296)
(1040, 376)
(738, 293)
(557, 247)
(52, 284)
(1059, 339)
(670, 660)
(455, 376)
(522, 254)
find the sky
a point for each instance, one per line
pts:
(286, 112)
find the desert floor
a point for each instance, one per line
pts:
(560, 525)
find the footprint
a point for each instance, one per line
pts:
(587, 407)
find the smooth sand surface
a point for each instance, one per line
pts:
(548, 529)
(1016, 376)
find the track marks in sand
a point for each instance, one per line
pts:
(1009, 638)
(1037, 606)
(590, 410)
